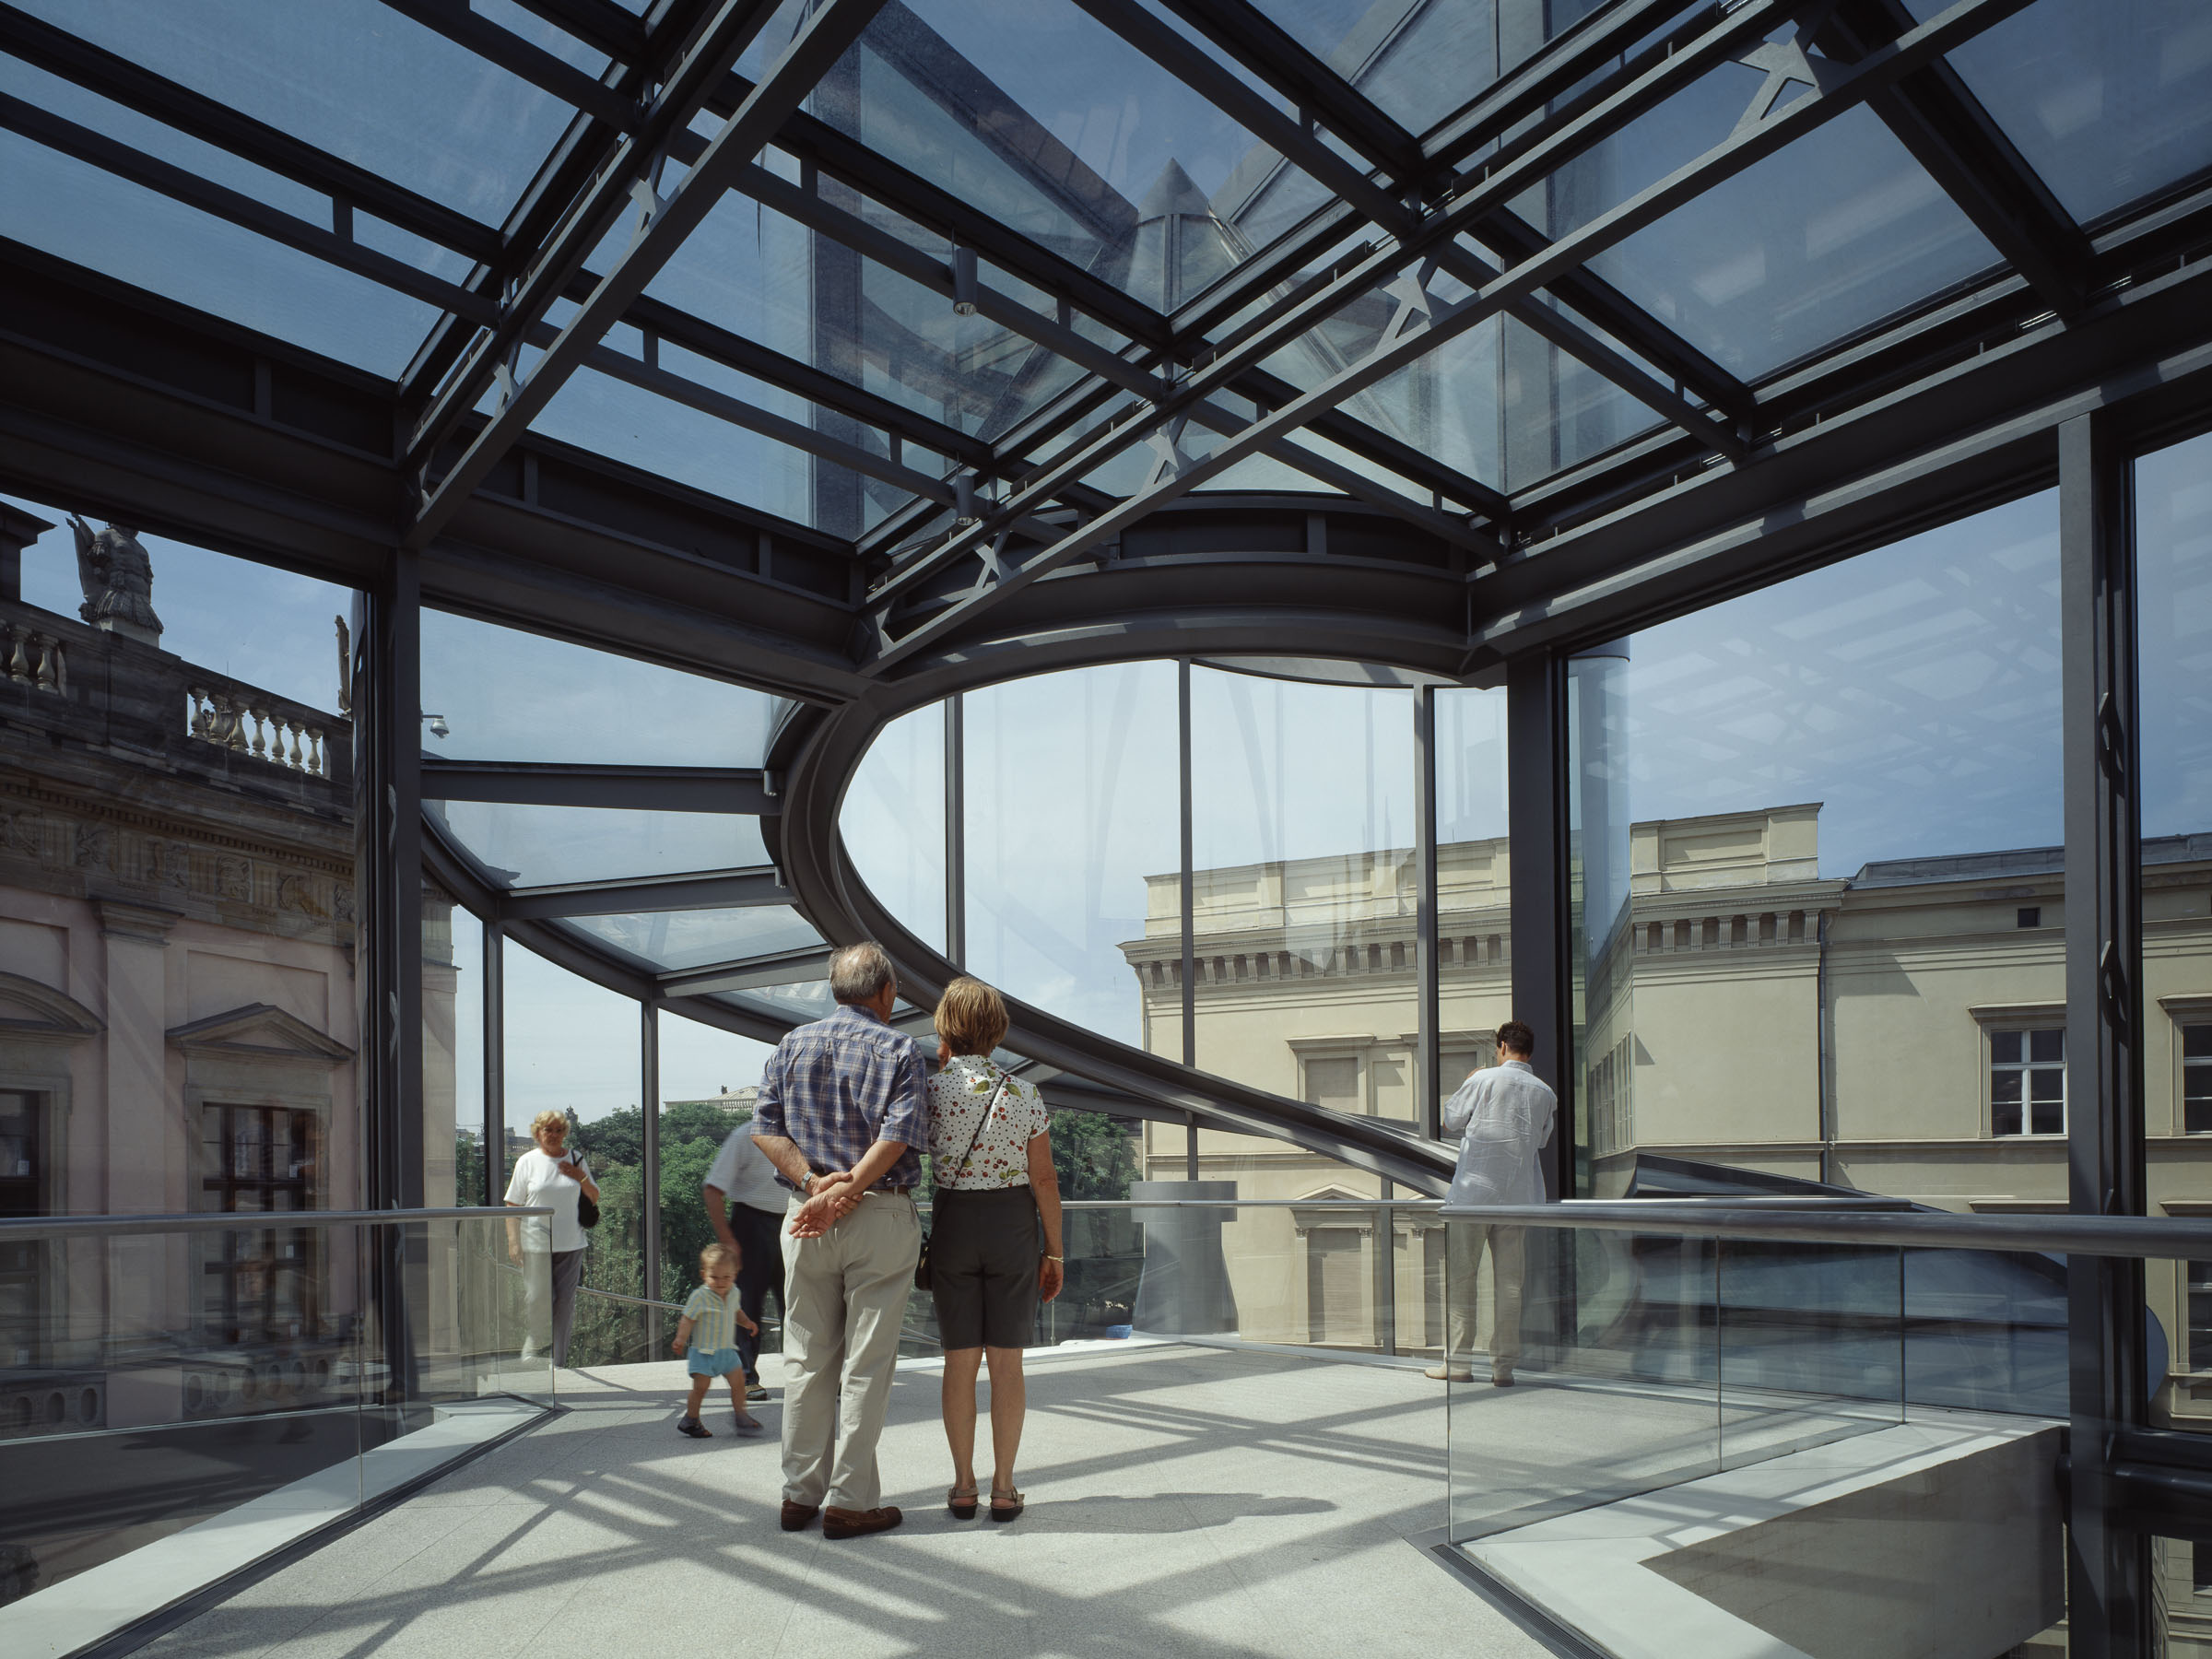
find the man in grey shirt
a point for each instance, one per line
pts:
(1503, 1117)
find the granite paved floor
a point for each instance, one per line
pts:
(1183, 1501)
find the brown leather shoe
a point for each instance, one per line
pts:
(796, 1515)
(854, 1523)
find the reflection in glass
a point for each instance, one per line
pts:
(2173, 549)
(1071, 795)
(1820, 898)
(893, 821)
(671, 941)
(2110, 100)
(507, 694)
(538, 846)
(453, 1057)
(1302, 893)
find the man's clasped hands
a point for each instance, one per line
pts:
(830, 1198)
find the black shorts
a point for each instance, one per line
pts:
(983, 1266)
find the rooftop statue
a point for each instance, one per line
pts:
(118, 579)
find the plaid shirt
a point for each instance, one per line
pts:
(839, 1086)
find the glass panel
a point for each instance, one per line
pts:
(95, 219)
(1837, 231)
(1837, 791)
(572, 1050)
(893, 821)
(1302, 822)
(177, 926)
(536, 846)
(349, 77)
(2174, 545)
(513, 696)
(1073, 844)
(258, 1360)
(674, 940)
(2110, 100)
(1067, 132)
(454, 1170)
(1601, 919)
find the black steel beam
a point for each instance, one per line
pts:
(740, 790)
(629, 182)
(1752, 141)
(1535, 742)
(713, 890)
(2110, 1587)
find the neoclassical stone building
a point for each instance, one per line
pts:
(1899, 1031)
(178, 1026)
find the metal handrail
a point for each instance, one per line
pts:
(47, 1227)
(635, 1301)
(2122, 1236)
(1436, 1206)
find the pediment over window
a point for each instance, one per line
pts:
(1303, 1220)
(29, 1008)
(259, 1031)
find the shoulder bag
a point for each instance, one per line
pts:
(587, 1210)
(922, 1261)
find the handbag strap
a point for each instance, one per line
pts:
(989, 1107)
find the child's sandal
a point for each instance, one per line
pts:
(960, 1500)
(695, 1429)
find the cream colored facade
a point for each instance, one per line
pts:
(1747, 1013)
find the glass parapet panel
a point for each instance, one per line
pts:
(176, 1402)
(539, 846)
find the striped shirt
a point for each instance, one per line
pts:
(714, 1320)
(837, 1087)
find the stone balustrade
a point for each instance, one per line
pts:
(29, 656)
(250, 721)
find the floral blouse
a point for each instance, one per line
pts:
(958, 1096)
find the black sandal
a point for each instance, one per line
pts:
(695, 1429)
(960, 1500)
(1020, 1503)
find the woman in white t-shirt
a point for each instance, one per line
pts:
(546, 1177)
(991, 1164)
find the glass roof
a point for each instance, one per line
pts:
(1120, 180)
(1138, 202)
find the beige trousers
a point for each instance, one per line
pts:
(1463, 1245)
(845, 1302)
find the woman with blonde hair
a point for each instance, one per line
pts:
(547, 1176)
(991, 1162)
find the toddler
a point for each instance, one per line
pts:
(713, 1316)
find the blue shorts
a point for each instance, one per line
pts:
(713, 1362)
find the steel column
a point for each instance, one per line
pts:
(1428, 1055)
(495, 1062)
(648, 1111)
(1536, 760)
(2109, 1581)
(956, 831)
(1189, 895)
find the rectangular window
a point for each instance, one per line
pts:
(2200, 1567)
(260, 1286)
(1334, 1083)
(22, 1156)
(2196, 1078)
(2027, 1081)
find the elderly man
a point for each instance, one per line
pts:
(1505, 1118)
(843, 1107)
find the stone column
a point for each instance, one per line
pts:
(149, 1277)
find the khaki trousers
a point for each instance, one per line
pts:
(1464, 1244)
(844, 1303)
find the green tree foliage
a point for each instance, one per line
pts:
(1095, 1156)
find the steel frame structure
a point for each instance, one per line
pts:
(2086, 344)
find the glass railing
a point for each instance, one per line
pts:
(181, 1395)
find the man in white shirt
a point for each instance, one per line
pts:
(1503, 1117)
(745, 1207)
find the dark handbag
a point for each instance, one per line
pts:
(922, 1261)
(587, 1207)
